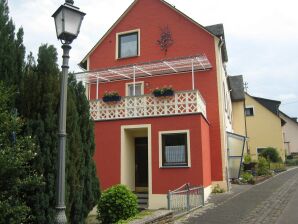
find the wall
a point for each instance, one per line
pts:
(290, 130)
(107, 156)
(238, 118)
(189, 39)
(263, 129)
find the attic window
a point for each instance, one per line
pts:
(249, 111)
(128, 44)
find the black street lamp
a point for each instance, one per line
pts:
(68, 19)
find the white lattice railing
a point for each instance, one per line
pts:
(183, 102)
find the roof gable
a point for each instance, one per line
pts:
(127, 11)
(272, 105)
(263, 105)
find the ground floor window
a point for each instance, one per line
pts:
(174, 149)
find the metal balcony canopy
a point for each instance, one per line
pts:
(172, 66)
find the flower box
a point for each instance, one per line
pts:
(111, 97)
(166, 91)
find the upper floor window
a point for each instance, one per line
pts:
(138, 90)
(128, 44)
(249, 111)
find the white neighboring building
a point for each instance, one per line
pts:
(290, 133)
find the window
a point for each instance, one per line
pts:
(249, 111)
(139, 89)
(128, 44)
(174, 149)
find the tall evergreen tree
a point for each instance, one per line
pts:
(17, 152)
(12, 50)
(88, 185)
(40, 107)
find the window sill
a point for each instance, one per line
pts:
(173, 167)
(128, 57)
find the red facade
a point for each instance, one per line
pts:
(189, 38)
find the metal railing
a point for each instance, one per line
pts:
(182, 102)
(185, 199)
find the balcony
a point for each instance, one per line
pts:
(183, 102)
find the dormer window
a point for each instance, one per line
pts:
(128, 44)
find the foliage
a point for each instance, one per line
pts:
(246, 177)
(263, 167)
(164, 91)
(247, 159)
(111, 96)
(17, 152)
(292, 162)
(83, 185)
(12, 50)
(140, 215)
(111, 93)
(40, 109)
(290, 157)
(217, 189)
(117, 203)
(271, 154)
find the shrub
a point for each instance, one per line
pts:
(247, 159)
(117, 203)
(217, 189)
(246, 177)
(290, 157)
(292, 162)
(271, 154)
(263, 167)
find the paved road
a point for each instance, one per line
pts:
(273, 201)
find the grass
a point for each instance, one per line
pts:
(140, 215)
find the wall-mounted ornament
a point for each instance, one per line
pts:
(166, 39)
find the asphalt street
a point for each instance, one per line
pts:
(273, 201)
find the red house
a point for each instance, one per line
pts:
(158, 143)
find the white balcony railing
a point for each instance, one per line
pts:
(183, 102)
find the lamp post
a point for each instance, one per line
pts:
(68, 19)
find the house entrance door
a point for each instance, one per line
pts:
(141, 164)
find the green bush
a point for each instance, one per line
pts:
(292, 162)
(247, 159)
(271, 154)
(290, 157)
(246, 177)
(263, 167)
(116, 203)
(217, 189)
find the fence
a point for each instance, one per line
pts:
(185, 198)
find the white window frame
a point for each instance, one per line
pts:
(131, 83)
(128, 32)
(253, 110)
(160, 133)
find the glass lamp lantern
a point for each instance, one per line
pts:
(68, 20)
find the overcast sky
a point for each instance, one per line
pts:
(261, 37)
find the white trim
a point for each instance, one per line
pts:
(122, 153)
(207, 192)
(131, 83)
(128, 32)
(160, 133)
